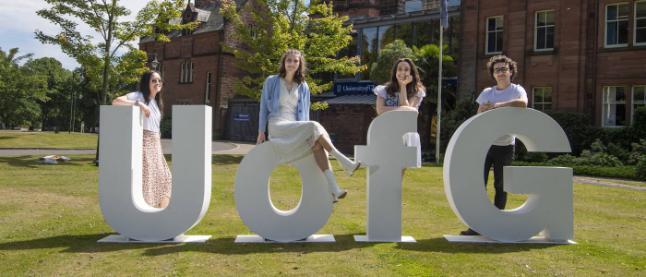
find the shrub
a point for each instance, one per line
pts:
(165, 127)
(578, 128)
(640, 168)
(638, 150)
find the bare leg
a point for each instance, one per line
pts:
(347, 164)
(320, 156)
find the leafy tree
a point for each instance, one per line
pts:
(55, 105)
(19, 91)
(277, 25)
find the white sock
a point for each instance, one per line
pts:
(347, 164)
(331, 182)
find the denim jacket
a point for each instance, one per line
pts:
(270, 101)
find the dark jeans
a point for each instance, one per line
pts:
(498, 156)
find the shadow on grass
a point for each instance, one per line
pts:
(72, 244)
(226, 159)
(30, 161)
(441, 245)
(227, 245)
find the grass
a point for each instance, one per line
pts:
(61, 140)
(50, 221)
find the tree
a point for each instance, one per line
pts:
(55, 105)
(106, 17)
(19, 91)
(277, 25)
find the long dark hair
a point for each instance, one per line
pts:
(144, 88)
(299, 75)
(413, 88)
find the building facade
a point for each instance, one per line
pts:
(195, 68)
(573, 55)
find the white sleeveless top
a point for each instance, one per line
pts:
(288, 102)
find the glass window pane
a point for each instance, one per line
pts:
(640, 9)
(499, 42)
(405, 33)
(547, 95)
(540, 38)
(491, 42)
(499, 23)
(620, 94)
(549, 41)
(624, 10)
(611, 33)
(639, 94)
(640, 35)
(611, 12)
(424, 32)
(623, 32)
(549, 18)
(491, 25)
(540, 19)
(386, 35)
(641, 23)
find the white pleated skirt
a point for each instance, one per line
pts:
(293, 140)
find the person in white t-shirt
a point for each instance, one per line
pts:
(156, 179)
(504, 94)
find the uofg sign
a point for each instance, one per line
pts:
(548, 210)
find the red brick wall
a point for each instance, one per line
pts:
(578, 68)
(347, 124)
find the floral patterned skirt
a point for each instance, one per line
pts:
(156, 179)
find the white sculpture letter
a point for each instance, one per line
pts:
(386, 156)
(120, 187)
(549, 189)
(253, 200)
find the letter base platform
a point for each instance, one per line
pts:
(178, 239)
(366, 239)
(482, 239)
(311, 239)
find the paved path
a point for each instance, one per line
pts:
(609, 183)
(217, 148)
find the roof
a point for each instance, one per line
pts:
(353, 99)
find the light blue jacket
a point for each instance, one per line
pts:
(270, 101)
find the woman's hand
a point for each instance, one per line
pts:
(261, 138)
(404, 80)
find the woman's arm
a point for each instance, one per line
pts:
(381, 106)
(123, 101)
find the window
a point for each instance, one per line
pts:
(494, 35)
(542, 98)
(617, 25)
(207, 91)
(639, 99)
(186, 72)
(614, 106)
(640, 23)
(544, 31)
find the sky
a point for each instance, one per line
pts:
(19, 21)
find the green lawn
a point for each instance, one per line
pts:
(61, 140)
(50, 221)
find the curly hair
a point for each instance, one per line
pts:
(513, 67)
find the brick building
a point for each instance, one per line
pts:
(194, 66)
(582, 56)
